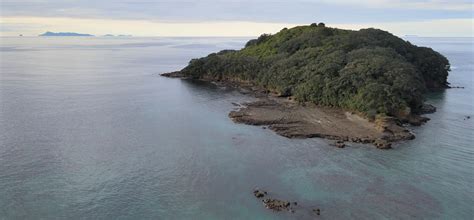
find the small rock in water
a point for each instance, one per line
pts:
(382, 144)
(276, 205)
(467, 117)
(259, 193)
(339, 144)
(317, 211)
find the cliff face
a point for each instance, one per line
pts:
(370, 71)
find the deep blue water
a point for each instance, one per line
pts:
(88, 130)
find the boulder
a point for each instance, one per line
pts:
(339, 144)
(317, 211)
(276, 204)
(259, 193)
(382, 144)
(427, 109)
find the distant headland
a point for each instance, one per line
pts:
(64, 34)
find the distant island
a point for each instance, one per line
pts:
(64, 34)
(317, 81)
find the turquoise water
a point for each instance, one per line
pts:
(88, 130)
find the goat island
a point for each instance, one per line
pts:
(362, 86)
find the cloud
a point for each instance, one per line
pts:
(272, 13)
(442, 5)
(142, 27)
(428, 28)
(249, 10)
(37, 25)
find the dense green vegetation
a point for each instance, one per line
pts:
(370, 71)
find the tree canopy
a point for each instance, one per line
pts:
(370, 71)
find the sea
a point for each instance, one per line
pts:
(89, 130)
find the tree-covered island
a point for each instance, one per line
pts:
(369, 71)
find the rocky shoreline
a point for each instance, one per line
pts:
(295, 120)
(292, 120)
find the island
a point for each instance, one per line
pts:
(362, 86)
(64, 34)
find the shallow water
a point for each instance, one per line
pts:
(88, 130)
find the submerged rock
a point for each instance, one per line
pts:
(416, 120)
(259, 193)
(276, 204)
(339, 144)
(317, 211)
(382, 144)
(456, 87)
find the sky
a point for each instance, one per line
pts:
(434, 18)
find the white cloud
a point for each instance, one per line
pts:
(141, 27)
(249, 10)
(37, 25)
(406, 4)
(428, 28)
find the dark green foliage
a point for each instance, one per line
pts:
(370, 71)
(259, 40)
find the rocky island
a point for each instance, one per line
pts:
(316, 81)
